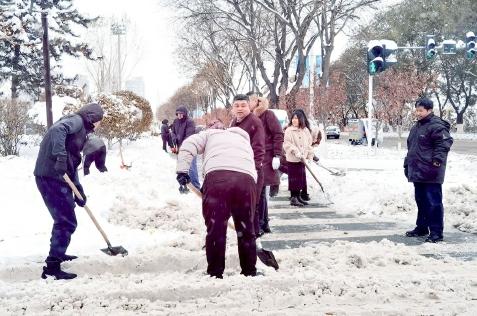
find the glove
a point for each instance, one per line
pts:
(61, 165)
(80, 203)
(276, 163)
(316, 159)
(183, 178)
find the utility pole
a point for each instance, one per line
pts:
(46, 64)
(119, 28)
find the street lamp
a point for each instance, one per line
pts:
(119, 28)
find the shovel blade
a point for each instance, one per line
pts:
(114, 251)
(267, 257)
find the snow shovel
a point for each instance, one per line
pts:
(316, 178)
(266, 256)
(112, 251)
(338, 173)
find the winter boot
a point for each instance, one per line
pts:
(304, 196)
(434, 238)
(274, 190)
(417, 232)
(53, 268)
(296, 202)
(69, 258)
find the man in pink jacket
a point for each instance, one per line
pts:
(229, 189)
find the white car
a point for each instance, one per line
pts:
(332, 132)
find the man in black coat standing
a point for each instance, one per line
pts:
(60, 154)
(428, 144)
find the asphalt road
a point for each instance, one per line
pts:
(462, 146)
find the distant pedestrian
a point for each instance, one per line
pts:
(297, 146)
(183, 127)
(425, 164)
(60, 154)
(229, 189)
(166, 135)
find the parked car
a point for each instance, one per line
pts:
(282, 117)
(332, 132)
(358, 131)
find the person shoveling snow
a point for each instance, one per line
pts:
(229, 189)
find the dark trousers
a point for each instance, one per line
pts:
(262, 211)
(59, 200)
(228, 193)
(430, 210)
(164, 145)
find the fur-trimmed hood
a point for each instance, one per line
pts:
(261, 107)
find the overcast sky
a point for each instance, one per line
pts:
(153, 24)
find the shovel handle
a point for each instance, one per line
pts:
(314, 176)
(79, 196)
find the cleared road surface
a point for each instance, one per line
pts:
(462, 146)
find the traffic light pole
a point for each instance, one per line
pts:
(370, 114)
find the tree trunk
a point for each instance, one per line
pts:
(460, 122)
(15, 71)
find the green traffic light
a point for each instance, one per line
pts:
(373, 68)
(430, 54)
(470, 54)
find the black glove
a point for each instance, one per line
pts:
(80, 203)
(316, 159)
(61, 165)
(183, 178)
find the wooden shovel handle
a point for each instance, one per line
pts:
(79, 196)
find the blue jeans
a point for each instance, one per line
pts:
(430, 210)
(193, 174)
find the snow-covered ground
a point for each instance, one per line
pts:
(163, 231)
(375, 185)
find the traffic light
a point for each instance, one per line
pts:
(430, 48)
(380, 55)
(470, 51)
(375, 57)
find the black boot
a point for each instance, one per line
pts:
(68, 258)
(53, 268)
(417, 232)
(274, 190)
(296, 202)
(433, 237)
(304, 196)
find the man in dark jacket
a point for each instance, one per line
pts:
(428, 143)
(246, 120)
(273, 149)
(183, 127)
(60, 154)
